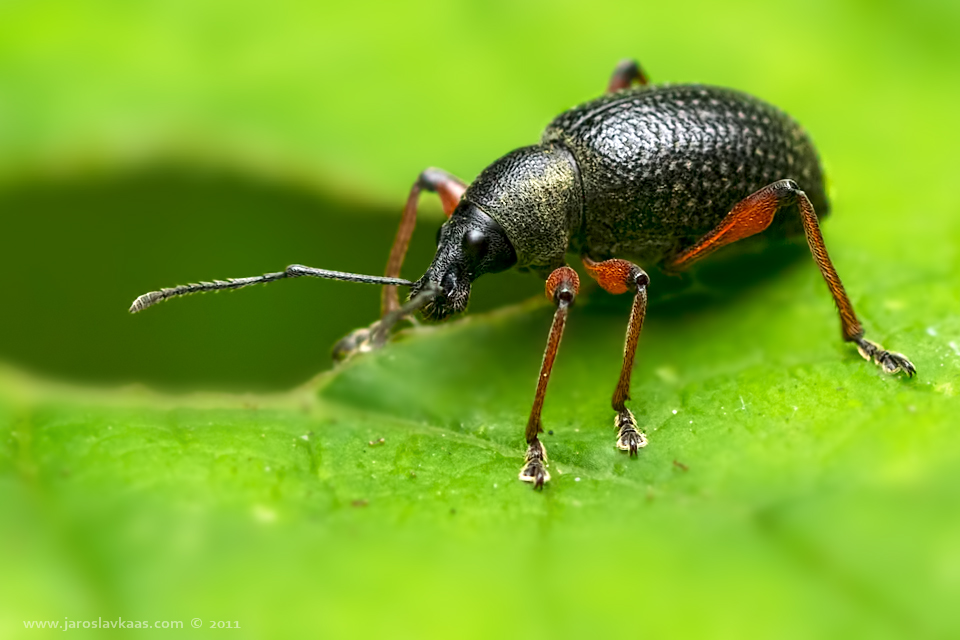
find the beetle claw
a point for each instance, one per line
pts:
(535, 466)
(536, 473)
(889, 361)
(629, 437)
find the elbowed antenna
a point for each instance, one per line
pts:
(293, 271)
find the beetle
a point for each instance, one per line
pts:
(653, 174)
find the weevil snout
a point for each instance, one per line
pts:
(469, 244)
(449, 284)
(452, 297)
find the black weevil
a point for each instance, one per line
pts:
(661, 174)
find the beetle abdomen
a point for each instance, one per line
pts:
(662, 165)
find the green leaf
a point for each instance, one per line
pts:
(782, 471)
(789, 488)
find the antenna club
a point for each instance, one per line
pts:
(146, 300)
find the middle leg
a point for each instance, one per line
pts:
(619, 276)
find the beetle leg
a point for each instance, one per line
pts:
(752, 215)
(450, 189)
(561, 289)
(627, 72)
(619, 276)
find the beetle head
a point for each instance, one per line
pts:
(469, 244)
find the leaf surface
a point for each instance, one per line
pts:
(789, 488)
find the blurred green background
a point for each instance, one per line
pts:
(789, 489)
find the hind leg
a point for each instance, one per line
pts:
(752, 215)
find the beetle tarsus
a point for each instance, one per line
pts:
(357, 341)
(629, 437)
(375, 336)
(365, 339)
(889, 361)
(535, 465)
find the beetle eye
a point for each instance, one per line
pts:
(475, 244)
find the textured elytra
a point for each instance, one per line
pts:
(662, 165)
